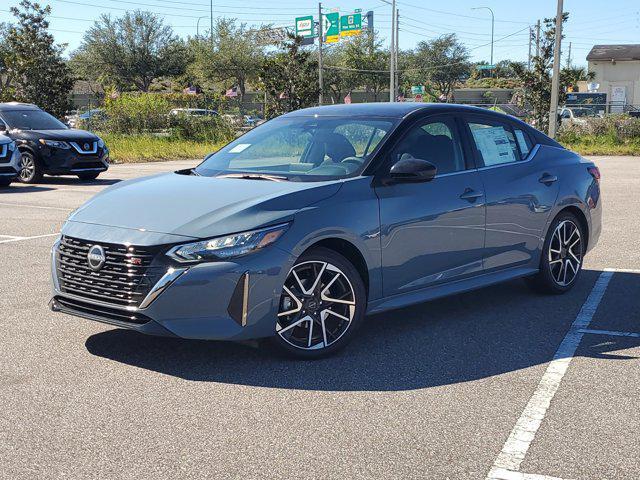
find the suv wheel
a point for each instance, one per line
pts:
(562, 255)
(30, 170)
(322, 304)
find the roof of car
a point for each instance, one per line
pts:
(17, 106)
(384, 109)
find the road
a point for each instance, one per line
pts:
(499, 382)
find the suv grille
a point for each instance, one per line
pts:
(124, 280)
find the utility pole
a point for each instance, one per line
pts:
(569, 57)
(320, 33)
(530, 41)
(392, 51)
(555, 81)
(397, 50)
(538, 39)
(211, 23)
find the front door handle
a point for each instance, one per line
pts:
(548, 179)
(471, 195)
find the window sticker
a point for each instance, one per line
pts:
(240, 148)
(494, 145)
(522, 141)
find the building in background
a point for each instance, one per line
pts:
(617, 73)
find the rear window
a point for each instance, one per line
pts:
(524, 142)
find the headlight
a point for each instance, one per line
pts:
(12, 146)
(100, 143)
(55, 144)
(227, 247)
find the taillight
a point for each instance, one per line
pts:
(595, 173)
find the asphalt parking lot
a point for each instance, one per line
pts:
(498, 383)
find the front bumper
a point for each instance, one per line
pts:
(60, 161)
(226, 300)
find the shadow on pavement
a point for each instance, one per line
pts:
(480, 334)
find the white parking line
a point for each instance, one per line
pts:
(502, 474)
(8, 204)
(19, 239)
(609, 332)
(519, 441)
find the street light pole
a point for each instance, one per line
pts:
(555, 81)
(198, 26)
(211, 23)
(493, 23)
(320, 33)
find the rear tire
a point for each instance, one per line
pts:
(322, 305)
(85, 177)
(30, 168)
(562, 256)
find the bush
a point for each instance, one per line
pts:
(148, 113)
(611, 135)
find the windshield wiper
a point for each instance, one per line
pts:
(255, 176)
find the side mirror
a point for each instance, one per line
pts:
(411, 170)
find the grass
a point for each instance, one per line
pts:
(149, 148)
(600, 144)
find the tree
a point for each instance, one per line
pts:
(536, 90)
(233, 54)
(368, 62)
(290, 79)
(571, 76)
(130, 52)
(443, 62)
(32, 63)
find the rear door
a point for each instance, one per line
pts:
(432, 232)
(520, 191)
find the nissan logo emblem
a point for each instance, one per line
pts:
(96, 257)
(86, 146)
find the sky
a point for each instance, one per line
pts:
(590, 21)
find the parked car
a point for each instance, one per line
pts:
(9, 161)
(252, 120)
(576, 115)
(303, 225)
(74, 121)
(48, 146)
(198, 112)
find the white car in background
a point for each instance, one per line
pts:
(197, 112)
(9, 161)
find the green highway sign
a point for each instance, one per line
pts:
(331, 27)
(305, 27)
(350, 24)
(417, 89)
(486, 67)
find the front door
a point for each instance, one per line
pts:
(432, 232)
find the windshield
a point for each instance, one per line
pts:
(32, 120)
(301, 148)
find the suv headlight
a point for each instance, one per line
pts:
(12, 146)
(228, 246)
(100, 143)
(55, 144)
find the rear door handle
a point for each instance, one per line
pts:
(471, 195)
(548, 179)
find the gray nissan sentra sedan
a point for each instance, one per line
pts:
(302, 226)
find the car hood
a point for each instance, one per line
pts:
(71, 134)
(200, 207)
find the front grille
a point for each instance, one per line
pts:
(124, 280)
(102, 312)
(5, 153)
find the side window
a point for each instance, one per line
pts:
(495, 143)
(435, 141)
(524, 142)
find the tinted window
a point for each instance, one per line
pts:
(301, 148)
(32, 120)
(495, 143)
(435, 141)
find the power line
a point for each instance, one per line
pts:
(461, 15)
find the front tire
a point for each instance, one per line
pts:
(323, 303)
(85, 177)
(30, 169)
(562, 256)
